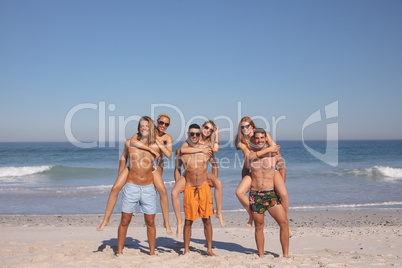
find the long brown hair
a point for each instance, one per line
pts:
(240, 137)
(151, 129)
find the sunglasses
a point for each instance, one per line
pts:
(192, 134)
(163, 123)
(245, 126)
(208, 128)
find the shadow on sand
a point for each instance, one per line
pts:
(169, 245)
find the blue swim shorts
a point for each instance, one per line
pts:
(142, 195)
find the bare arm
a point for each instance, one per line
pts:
(215, 146)
(136, 143)
(187, 149)
(264, 152)
(270, 141)
(123, 157)
(166, 150)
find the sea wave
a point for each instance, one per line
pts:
(22, 171)
(56, 170)
(100, 189)
(347, 206)
(376, 172)
(66, 189)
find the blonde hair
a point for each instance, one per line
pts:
(240, 136)
(151, 127)
(163, 115)
(211, 139)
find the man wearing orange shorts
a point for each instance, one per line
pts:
(197, 193)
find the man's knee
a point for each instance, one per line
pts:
(206, 221)
(150, 222)
(283, 222)
(125, 221)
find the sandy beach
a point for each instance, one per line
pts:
(325, 239)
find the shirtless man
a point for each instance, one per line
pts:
(139, 188)
(262, 194)
(197, 194)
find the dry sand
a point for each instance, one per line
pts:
(319, 240)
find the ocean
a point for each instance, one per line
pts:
(60, 178)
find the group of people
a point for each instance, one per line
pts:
(140, 176)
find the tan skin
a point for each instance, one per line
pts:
(164, 145)
(140, 173)
(262, 179)
(196, 168)
(244, 186)
(212, 177)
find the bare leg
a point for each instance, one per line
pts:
(280, 188)
(177, 189)
(122, 232)
(151, 232)
(208, 235)
(160, 187)
(218, 194)
(278, 213)
(187, 235)
(259, 233)
(114, 193)
(241, 193)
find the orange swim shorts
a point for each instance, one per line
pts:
(198, 202)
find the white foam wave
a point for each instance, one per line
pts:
(170, 183)
(89, 188)
(390, 172)
(346, 206)
(22, 171)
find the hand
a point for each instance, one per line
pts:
(160, 140)
(208, 151)
(155, 153)
(275, 148)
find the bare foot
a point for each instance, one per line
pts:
(104, 223)
(286, 256)
(180, 225)
(250, 221)
(262, 256)
(210, 253)
(119, 254)
(186, 251)
(168, 229)
(220, 218)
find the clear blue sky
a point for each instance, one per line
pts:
(273, 59)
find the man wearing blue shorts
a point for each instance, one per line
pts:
(139, 189)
